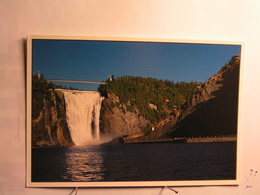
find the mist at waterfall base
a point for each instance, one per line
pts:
(91, 161)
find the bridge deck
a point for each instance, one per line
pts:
(75, 81)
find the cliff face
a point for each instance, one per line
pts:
(115, 121)
(211, 111)
(50, 128)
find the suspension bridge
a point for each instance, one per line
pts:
(77, 81)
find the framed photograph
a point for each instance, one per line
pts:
(117, 112)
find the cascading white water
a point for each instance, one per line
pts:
(82, 114)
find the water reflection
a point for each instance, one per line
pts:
(84, 164)
(135, 162)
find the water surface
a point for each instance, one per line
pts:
(135, 162)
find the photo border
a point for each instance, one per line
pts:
(29, 182)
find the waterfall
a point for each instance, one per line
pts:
(82, 114)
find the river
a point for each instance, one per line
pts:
(135, 162)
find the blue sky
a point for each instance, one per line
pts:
(97, 60)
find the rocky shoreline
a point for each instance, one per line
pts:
(129, 140)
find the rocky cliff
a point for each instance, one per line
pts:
(49, 126)
(212, 111)
(133, 105)
(116, 121)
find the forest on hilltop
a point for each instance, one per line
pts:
(153, 98)
(41, 89)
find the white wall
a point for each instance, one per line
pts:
(230, 20)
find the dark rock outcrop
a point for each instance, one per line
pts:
(50, 128)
